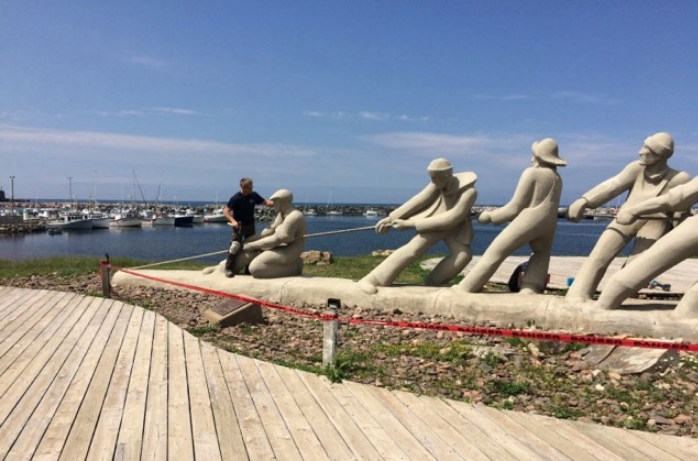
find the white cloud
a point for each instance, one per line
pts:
(147, 61)
(367, 115)
(37, 138)
(508, 97)
(581, 98)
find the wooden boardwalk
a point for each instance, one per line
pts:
(92, 378)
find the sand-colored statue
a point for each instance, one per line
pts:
(441, 211)
(533, 215)
(679, 244)
(644, 179)
(276, 251)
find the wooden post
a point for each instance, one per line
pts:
(104, 275)
(330, 328)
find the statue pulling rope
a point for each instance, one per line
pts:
(317, 234)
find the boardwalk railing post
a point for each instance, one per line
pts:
(104, 275)
(330, 328)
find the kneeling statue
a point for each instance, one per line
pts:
(276, 251)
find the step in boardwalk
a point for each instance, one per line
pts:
(92, 378)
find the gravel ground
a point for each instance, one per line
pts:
(531, 376)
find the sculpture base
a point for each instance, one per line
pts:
(234, 312)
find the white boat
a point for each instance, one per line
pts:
(126, 218)
(70, 221)
(334, 213)
(371, 213)
(100, 220)
(216, 217)
(198, 217)
(310, 212)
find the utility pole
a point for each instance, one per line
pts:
(12, 194)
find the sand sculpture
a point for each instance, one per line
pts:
(642, 180)
(679, 244)
(441, 211)
(533, 215)
(276, 251)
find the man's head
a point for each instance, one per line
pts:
(440, 170)
(282, 198)
(546, 152)
(659, 146)
(246, 186)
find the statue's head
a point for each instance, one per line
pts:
(546, 151)
(282, 197)
(440, 170)
(660, 143)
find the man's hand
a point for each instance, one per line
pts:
(576, 211)
(384, 225)
(485, 217)
(626, 217)
(403, 224)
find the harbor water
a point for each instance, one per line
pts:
(168, 243)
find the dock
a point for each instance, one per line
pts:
(93, 378)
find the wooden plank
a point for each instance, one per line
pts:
(306, 440)
(622, 442)
(130, 440)
(514, 446)
(355, 438)
(256, 442)
(332, 441)
(155, 431)
(59, 426)
(470, 431)
(414, 424)
(364, 418)
(227, 427)
(571, 433)
(105, 435)
(410, 444)
(573, 447)
(50, 397)
(51, 376)
(179, 436)
(29, 313)
(681, 447)
(27, 368)
(278, 434)
(522, 432)
(202, 423)
(80, 435)
(24, 339)
(444, 427)
(12, 302)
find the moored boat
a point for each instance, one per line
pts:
(126, 218)
(216, 217)
(70, 221)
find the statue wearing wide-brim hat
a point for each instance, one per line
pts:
(547, 151)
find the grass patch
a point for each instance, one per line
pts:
(68, 266)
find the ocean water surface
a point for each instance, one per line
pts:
(168, 243)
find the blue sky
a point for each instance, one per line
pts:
(341, 100)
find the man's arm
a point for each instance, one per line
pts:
(520, 200)
(229, 216)
(448, 219)
(677, 199)
(604, 192)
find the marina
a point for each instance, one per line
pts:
(158, 243)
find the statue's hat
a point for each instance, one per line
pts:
(547, 151)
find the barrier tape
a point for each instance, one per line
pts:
(487, 331)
